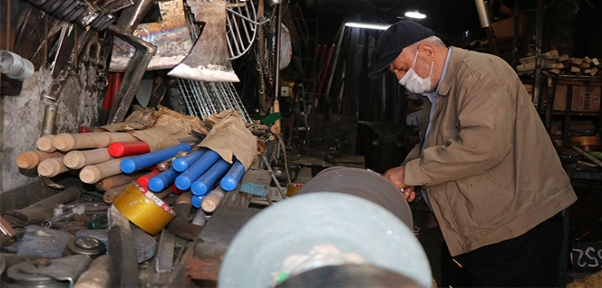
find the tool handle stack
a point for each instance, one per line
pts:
(111, 161)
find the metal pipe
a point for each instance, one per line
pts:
(48, 125)
(15, 66)
(277, 60)
(538, 36)
(483, 13)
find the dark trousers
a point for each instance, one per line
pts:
(529, 260)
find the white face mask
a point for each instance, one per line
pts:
(413, 82)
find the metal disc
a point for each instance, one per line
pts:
(297, 224)
(362, 183)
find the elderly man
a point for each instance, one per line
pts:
(485, 164)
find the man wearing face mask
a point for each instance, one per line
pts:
(485, 164)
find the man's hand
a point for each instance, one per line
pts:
(396, 176)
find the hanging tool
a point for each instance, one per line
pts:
(171, 28)
(209, 59)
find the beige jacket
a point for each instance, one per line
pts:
(489, 167)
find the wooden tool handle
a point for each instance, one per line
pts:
(212, 200)
(122, 137)
(52, 166)
(93, 173)
(31, 159)
(183, 199)
(276, 126)
(67, 142)
(114, 181)
(112, 193)
(45, 143)
(77, 159)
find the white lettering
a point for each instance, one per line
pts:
(588, 253)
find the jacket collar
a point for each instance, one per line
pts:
(457, 55)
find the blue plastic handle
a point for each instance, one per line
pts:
(139, 162)
(182, 163)
(233, 176)
(196, 201)
(202, 185)
(197, 169)
(164, 179)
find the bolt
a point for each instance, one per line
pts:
(42, 262)
(87, 242)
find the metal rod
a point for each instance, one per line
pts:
(538, 36)
(267, 164)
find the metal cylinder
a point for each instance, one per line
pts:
(48, 125)
(483, 13)
(14, 66)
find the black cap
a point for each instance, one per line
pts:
(390, 44)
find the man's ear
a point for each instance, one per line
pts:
(427, 51)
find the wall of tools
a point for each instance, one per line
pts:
(88, 62)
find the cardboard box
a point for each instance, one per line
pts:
(504, 29)
(585, 98)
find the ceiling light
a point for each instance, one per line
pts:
(368, 25)
(415, 14)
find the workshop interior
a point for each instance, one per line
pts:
(241, 143)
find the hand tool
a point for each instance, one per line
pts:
(121, 149)
(179, 226)
(113, 192)
(136, 163)
(52, 222)
(163, 180)
(175, 189)
(94, 173)
(45, 209)
(196, 201)
(144, 179)
(77, 159)
(132, 75)
(31, 159)
(67, 141)
(44, 143)
(184, 180)
(212, 200)
(202, 185)
(209, 59)
(114, 181)
(180, 164)
(51, 167)
(230, 181)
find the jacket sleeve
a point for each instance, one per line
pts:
(485, 122)
(414, 154)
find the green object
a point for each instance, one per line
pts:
(268, 119)
(596, 154)
(282, 276)
(100, 222)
